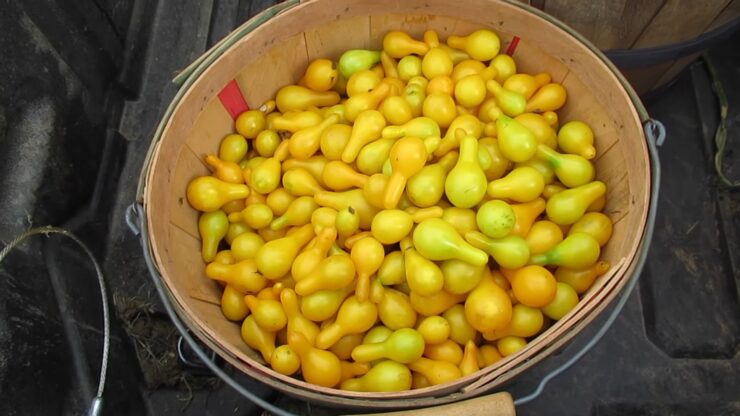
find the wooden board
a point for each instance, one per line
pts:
(608, 24)
(678, 21)
(731, 11)
(625, 24)
(675, 22)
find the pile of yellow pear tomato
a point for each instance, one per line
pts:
(404, 217)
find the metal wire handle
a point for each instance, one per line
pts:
(135, 215)
(96, 406)
(135, 218)
(655, 134)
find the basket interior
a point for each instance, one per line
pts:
(276, 53)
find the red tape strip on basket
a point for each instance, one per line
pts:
(232, 99)
(512, 46)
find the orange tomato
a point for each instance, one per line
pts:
(534, 286)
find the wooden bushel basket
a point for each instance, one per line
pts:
(276, 52)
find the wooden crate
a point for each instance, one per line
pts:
(630, 24)
(275, 54)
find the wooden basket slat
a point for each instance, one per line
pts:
(589, 109)
(283, 64)
(617, 193)
(187, 262)
(213, 121)
(532, 60)
(330, 40)
(603, 147)
(415, 25)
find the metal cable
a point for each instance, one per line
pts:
(96, 404)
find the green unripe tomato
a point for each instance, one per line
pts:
(408, 67)
(495, 218)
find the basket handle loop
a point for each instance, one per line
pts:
(655, 131)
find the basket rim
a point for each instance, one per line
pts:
(261, 370)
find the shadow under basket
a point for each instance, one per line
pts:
(274, 52)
